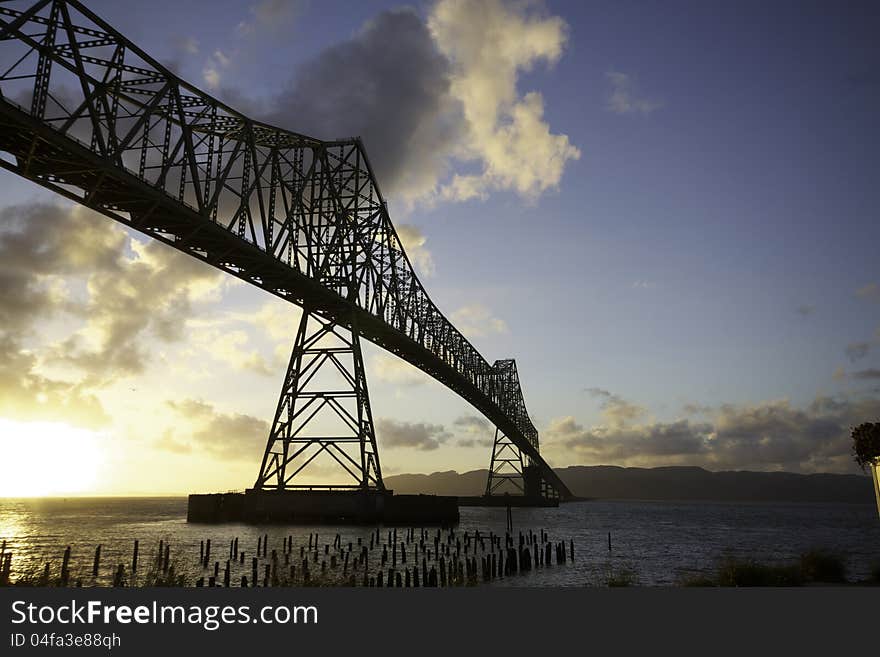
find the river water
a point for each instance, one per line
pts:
(655, 543)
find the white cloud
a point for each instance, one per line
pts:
(391, 369)
(624, 97)
(490, 44)
(217, 62)
(413, 241)
(476, 320)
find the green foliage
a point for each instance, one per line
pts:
(866, 443)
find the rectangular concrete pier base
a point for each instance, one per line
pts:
(320, 506)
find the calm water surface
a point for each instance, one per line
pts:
(659, 542)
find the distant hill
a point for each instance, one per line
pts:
(668, 483)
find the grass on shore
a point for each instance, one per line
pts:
(813, 567)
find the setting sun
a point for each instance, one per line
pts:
(47, 458)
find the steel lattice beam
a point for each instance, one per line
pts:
(86, 113)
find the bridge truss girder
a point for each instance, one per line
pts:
(86, 113)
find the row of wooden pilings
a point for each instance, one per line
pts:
(418, 558)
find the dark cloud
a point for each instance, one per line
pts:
(866, 375)
(805, 310)
(390, 86)
(619, 444)
(228, 436)
(419, 435)
(767, 436)
(857, 350)
(476, 431)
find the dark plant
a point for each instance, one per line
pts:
(866, 443)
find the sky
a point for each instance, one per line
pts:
(666, 212)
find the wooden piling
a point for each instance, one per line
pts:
(65, 567)
(119, 577)
(134, 558)
(97, 562)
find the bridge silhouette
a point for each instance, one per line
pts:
(86, 113)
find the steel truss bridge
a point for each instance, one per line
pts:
(86, 113)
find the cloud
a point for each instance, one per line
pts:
(212, 72)
(476, 320)
(270, 17)
(644, 285)
(805, 310)
(428, 97)
(476, 431)
(857, 350)
(871, 292)
(278, 319)
(615, 409)
(390, 86)
(769, 435)
(620, 444)
(413, 241)
(866, 375)
(187, 45)
(490, 44)
(418, 435)
(71, 263)
(391, 369)
(230, 347)
(624, 96)
(150, 292)
(26, 394)
(225, 436)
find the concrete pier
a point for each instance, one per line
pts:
(323, 506)
(507, 500)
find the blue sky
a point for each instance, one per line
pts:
(693, 279)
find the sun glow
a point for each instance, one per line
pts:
(46, 458)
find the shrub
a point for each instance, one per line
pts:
(866, 443)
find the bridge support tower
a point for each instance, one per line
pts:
(323, 416)
(505, 468)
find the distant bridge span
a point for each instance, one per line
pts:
(87, 114)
